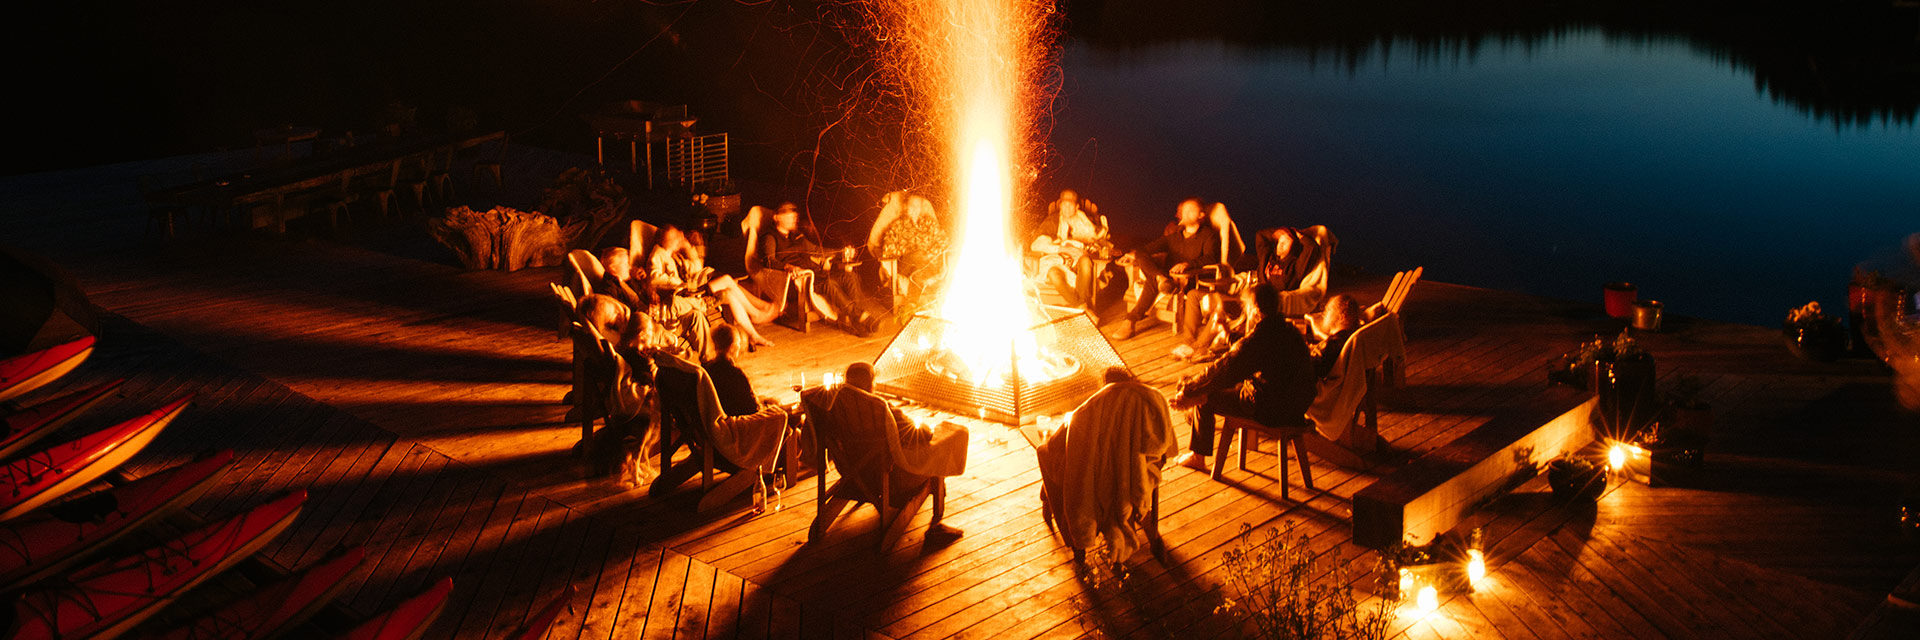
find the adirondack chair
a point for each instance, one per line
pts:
(683, 423)
(855, 430)
(1397, 291)
(1339, 407)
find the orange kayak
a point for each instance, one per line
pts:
(29, 425)
(108, 598)
(46, 475)
(35, 547)
(20, 375)
(407, 620)
(276, 608)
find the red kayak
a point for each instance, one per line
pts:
(276, 608)
(108, 598)
(407, 620)
(36, 547)
(20, 375)
(537, 627)
(29, 425)
(43, 476)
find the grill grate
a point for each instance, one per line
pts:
(909, 368)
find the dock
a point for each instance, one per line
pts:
(418, 403)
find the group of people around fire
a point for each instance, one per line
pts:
(1259, 315)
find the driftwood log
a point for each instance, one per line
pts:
(501, 238)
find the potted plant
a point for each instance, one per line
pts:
(1623, 377)
(1575, 368)
(1574, 478)
(1813, 335)
(1867, 295)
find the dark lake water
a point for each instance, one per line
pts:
(1732, 158)
(1547, 166)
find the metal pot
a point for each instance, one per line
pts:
(1646, 315)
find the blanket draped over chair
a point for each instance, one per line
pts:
(868, 431)
(1105, 465)
(749, 441)
(1340, 393)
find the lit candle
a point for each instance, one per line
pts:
(1617, 457)
(1476, 565)
(1429, 599)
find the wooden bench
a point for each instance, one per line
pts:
(1434, 493)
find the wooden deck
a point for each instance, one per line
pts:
(415, 402)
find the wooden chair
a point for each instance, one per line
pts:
(1053, 506)
(488, 173)
(844, 421)
(593, 370)
(163, 216)
(1398, 289)
(681, 423)
(1355, 414)
(1284, 430)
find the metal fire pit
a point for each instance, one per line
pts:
(911, 367)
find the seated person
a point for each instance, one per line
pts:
(928, 454)
(674, 278)
(1267, 376)
(1331, 328)
(792, 249)
(1296, 261)
(621, 379)
(1101, 469)
(749, 442)
(909, 232)
(729, 382)
(616, 277)
(1228, 320)
(1172, 263)
(1071, 238)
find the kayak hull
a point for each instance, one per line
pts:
(21, 375)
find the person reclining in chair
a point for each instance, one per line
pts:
(1267, 377)
(928, 454)
(1331, 329)
(1101, 469)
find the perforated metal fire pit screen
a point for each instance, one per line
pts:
(1075, 355)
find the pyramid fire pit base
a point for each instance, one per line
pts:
(1072, 358)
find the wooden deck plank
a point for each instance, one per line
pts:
(642, 579)
(669, 591)
(724, 616)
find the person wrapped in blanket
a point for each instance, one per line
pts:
(620, 371)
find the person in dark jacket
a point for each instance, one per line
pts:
(729, 382)
(1172, 264)
(1267, 376)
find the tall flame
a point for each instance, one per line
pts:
(985, 301)
(970, 61)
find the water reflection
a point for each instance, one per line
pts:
(1546, 156)
(1847, 64)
